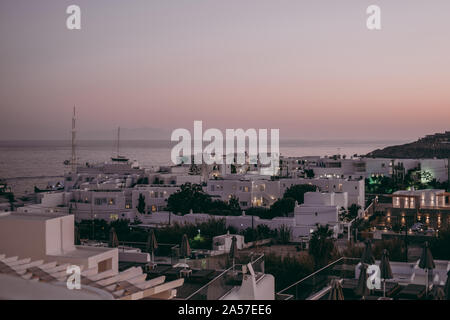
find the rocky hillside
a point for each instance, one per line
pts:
(431, 146)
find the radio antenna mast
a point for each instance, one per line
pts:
(74, 158)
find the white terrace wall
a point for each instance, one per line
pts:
(238, 222)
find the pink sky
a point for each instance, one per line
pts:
(309, 68)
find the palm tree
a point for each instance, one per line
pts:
(321, 245)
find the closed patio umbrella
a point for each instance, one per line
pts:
(426, 262)
(362, 289)
(233, 249)
(113, 240)
(385, 269)
(77, 236)
(185, 249)
(447, 286)
(152, 244)
(367, 256)
(336, 292)
(438, 294)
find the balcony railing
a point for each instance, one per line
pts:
(227, 280)
(316, 281)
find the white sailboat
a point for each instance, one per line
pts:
(118, 157)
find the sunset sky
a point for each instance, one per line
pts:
(308, 67)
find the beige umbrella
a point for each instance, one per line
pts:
(77, 236)
(152, 244)
(233, 249)
(185, 249)
(362, 289)
(336, 292)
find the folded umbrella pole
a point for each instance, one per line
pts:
(385, 269)
(426, 262)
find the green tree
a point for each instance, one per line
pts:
(141, 204)
(11, 201)
(351, 213)
(282, 207)
(297, 192)
(284, 234)
(440, 245)
(189, 197)
(288, 269)
(309, 173)
(234, 206)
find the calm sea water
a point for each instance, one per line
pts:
(29, 159)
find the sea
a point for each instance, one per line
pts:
(25, 164)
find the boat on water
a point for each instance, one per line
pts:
(118, 157)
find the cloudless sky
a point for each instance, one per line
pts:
(308, 67)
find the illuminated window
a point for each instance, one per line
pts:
(113, 216)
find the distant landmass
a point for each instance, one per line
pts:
(431, 146)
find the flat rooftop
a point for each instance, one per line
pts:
(30, 216)
(84, 252)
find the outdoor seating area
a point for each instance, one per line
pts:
(348, 279)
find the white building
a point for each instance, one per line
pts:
(223, 242)
(319, 208)
(427, 198)
(252, 190)
(355, 189)
(155, 196)
(38, 256)
(51, 238)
